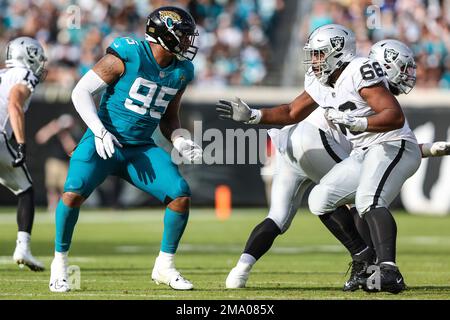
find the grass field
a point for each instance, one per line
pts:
(116, 250)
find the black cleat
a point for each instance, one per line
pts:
(391, 280)
(358, 276)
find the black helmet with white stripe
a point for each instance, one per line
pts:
(174, 29)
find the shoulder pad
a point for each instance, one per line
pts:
(26, 77)
(365, 72)
(124, 48)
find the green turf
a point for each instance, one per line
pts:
(116, 250)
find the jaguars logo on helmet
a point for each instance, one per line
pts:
(169, 18)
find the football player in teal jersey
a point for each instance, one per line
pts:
(144, 82)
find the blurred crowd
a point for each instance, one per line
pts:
(424, 25)
(233, 37)
(234, 34)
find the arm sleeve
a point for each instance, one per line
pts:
(82, 98)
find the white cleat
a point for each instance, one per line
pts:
(170, 277)
(23, 257)
(58, 276)
(237, 279)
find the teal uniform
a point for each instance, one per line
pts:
(131, 109)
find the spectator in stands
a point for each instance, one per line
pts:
(59, 138)
(77, 32)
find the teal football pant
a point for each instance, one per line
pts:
(148, 167)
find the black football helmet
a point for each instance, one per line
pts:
(174, 29)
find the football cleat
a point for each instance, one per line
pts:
(23, 257)
(170, 276)
(358, 276)
(58, 277)
(391, 280)
(237, 278)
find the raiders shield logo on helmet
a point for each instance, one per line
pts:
(32, 52)
(337, 43)
(390, 55)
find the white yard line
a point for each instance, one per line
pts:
(212, 248)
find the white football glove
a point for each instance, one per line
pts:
(104, 144)
(357, 124)
(436, 149)
(188, 149)
(238, 111)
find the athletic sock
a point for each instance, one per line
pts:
(25, 210)
(362, 227)
(383, 231)
(23, 239)
(166, 260)
(174, 225)
(366, 255)
(246, 262)
(261, 239)
(341, 225)
(66, 219)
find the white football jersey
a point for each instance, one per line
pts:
(317, 119)
(9, 77)
(360, 73)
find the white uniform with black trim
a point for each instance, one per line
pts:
(305, 153)
(380, 162)
(17, 179)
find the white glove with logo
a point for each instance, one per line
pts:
(436, 149)
(104, 144)
(357, 124)
(188, 149)
(238, 111)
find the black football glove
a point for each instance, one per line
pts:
(20, 157)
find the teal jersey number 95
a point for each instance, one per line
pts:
(132, 107)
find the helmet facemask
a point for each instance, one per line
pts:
(317, 63)
(405, 76)
(26, 55)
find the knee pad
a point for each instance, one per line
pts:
(180, 188)
(74, 184)
(319, 200)
(362, 206)
(280, 219)
(29, 193)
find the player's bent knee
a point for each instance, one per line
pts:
(180, 204)
(72, 200)
(178, 188)
(275, 217)
(319, 200)
(363, 208)
(74, 184)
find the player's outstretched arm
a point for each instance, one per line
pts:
(284, 114)
(17, 98)
(105, 72)
(169, 124)
(435, 149)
